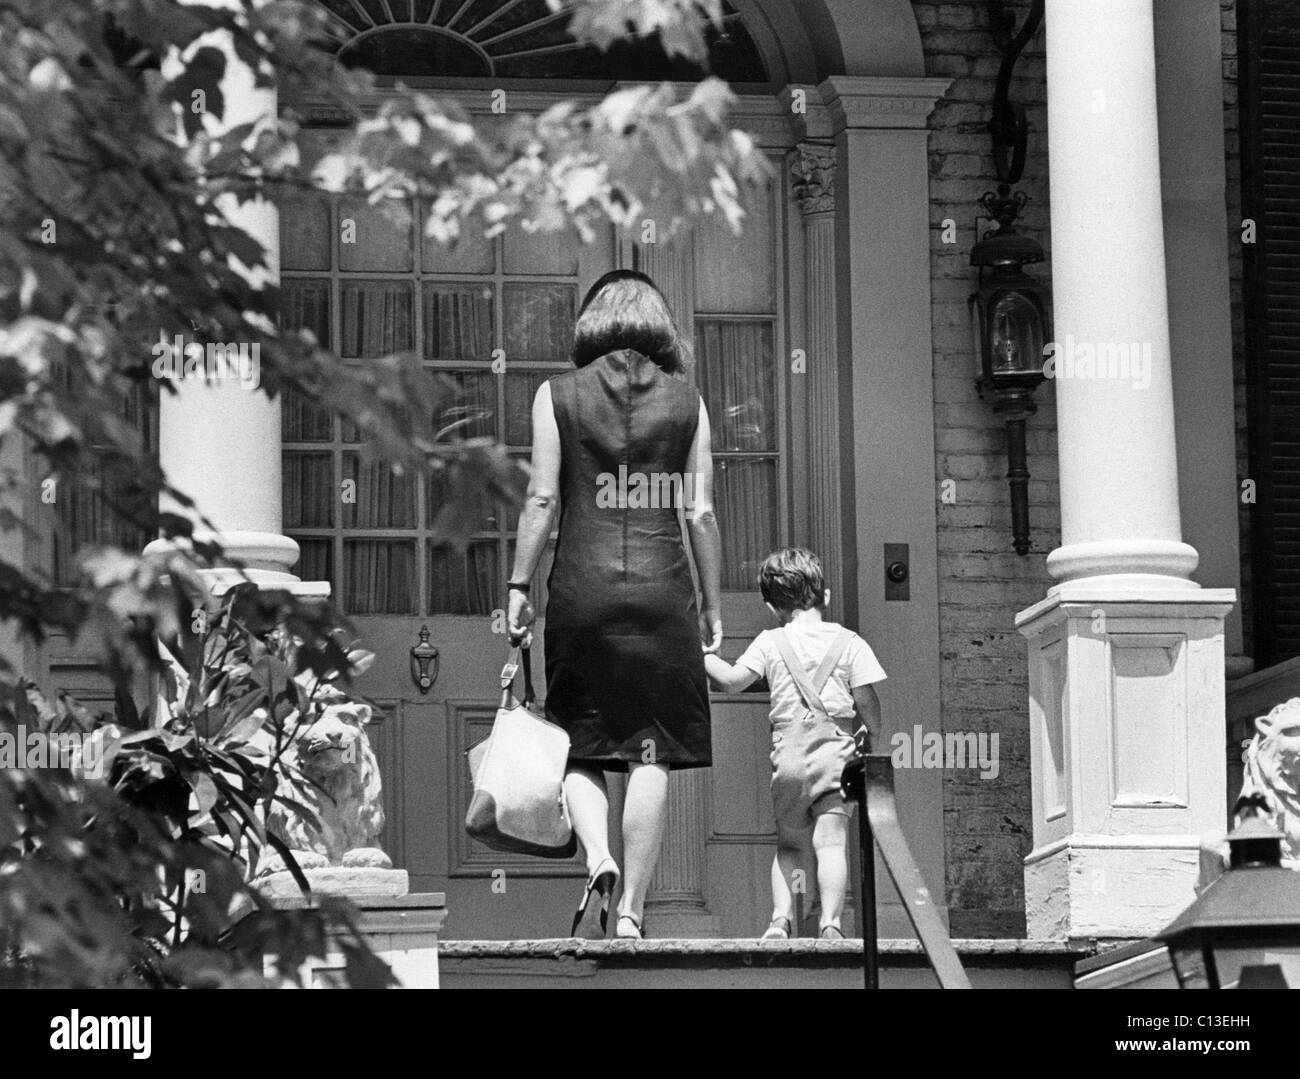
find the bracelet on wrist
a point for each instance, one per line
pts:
(518, 586)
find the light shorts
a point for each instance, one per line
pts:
(808, 758)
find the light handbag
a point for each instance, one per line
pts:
(518, 771)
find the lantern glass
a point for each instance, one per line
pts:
(1015, 335)
(1232, 956)
(1189, 962)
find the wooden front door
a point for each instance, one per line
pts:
(371, 285)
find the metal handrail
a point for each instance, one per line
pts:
(869, 779)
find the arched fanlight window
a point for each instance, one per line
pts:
(516, 39)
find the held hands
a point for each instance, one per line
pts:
(520, 617)
(711, 629)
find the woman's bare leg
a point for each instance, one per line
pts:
(643, 829)
(584, 790)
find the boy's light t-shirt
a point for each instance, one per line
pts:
(857, 666)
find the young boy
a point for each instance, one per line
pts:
(820, 676)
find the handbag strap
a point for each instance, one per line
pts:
(810, 690)
(511, 669)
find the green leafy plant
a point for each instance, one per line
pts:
(116, 232)
(135, 875)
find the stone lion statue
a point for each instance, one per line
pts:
(1272, 772)
(341, 787)
(1273, 769)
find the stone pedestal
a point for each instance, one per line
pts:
(337, 880)
(402, 931)
(1126, 733)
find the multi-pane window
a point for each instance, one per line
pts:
(374, 284)
(736, 326)
(97, 509)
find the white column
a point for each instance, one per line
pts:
(1126, 652)
(219, 442)
(1118, 466)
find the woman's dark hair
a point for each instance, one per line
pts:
(791, 579)
(624, 309)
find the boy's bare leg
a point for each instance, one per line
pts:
(830, 841)
(788, 873)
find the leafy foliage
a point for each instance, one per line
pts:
(129, 865)
(126, 167)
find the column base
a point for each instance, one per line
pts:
(1127, 733)
(1154, 564)
(265, 556)
(1109, 886)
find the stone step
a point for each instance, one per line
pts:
(744, 964)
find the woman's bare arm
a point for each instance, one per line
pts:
(706, 543)
(540, 507)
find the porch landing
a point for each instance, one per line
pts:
(745, 964)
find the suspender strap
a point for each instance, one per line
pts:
(810, 691)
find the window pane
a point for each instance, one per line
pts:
(542, 252)
(464, 583)
(383, 500)
(303, 420)
(483, 511)
(376, 318)
(316, 560)
(473, 413)
(304, 232)
(457, 321)
(305, 305)
(374, 237)
(85, 518)
(735, 274)
(308, 486)
(539, 321)
(745, 495)
(521, 388)
(736, 376)
(470, 254)
(379, 576)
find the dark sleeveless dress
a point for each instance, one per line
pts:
(624, 666)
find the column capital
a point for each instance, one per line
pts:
(812, 165)
(860, 101)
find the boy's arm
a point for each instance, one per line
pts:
(726, 678)
(866, 711)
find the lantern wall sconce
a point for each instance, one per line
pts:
(1010, 310)
(1243, 931)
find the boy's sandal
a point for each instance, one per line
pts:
(779, 929)
(831, 932)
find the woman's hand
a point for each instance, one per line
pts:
(520, 617)
(711, 629)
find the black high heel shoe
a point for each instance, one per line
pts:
(592, 919)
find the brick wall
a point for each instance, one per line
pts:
(982, 582)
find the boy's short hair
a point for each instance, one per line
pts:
(791, 579)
